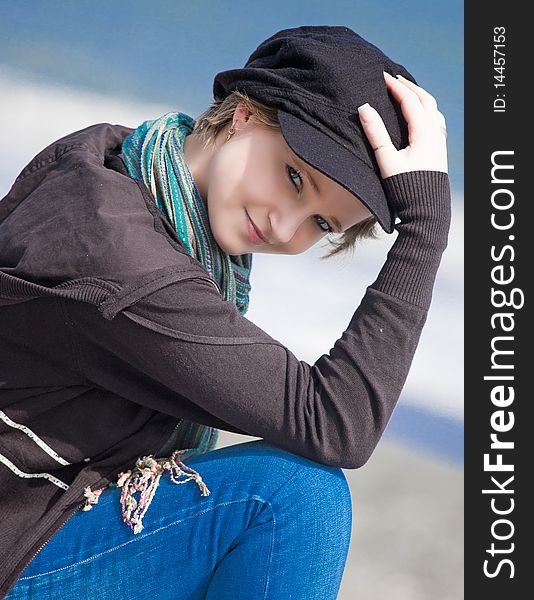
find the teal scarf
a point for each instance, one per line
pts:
(154, 154)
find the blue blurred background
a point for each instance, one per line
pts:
(151, 57)
(169, 51)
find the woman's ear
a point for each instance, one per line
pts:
(241, 116)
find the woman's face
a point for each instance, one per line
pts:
(255, 182)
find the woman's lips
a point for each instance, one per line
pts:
(254, 233)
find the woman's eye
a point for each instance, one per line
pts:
(294, 176)
(320, 219)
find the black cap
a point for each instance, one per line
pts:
(317, 77)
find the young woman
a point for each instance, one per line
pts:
(124, 276)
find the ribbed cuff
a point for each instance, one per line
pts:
(422, 201)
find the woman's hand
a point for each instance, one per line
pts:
(427, 149)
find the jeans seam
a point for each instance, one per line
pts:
(272, 528)
(141, 537)
(271, 542)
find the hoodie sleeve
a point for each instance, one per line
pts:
(185, 351)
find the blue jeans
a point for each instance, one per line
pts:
(275, 526)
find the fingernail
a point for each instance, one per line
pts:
(365, 112)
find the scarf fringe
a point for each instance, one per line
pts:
(92, 498)
(144, 478)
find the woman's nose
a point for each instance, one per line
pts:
(286, 220)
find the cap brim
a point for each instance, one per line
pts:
(339, 164)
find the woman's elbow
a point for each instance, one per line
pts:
(349, 457)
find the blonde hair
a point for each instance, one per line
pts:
(219, 115)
